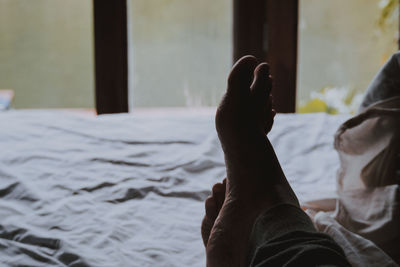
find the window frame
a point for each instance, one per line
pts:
(267, 29)
(111, 56)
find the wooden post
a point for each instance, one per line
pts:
(267, 29)
(282, 21)
(111, 56)
(249, 25)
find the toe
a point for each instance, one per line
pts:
(230, 113)
(211, 208)
(261, 87)
(241, 76)
(219, 195)
(269, 114)
(217, 188)
(206, 227)
(269, 122)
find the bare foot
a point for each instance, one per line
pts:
(255, 180)
(213, 203)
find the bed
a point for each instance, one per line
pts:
(128, 189)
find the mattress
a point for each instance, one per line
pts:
(128, 189)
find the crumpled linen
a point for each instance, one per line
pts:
(365, 217)
(129, 189)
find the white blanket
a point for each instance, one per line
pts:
(128, 190)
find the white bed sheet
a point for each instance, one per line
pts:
(128, 190)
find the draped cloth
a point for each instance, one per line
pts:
(365, 218)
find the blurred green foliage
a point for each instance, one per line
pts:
(333, 100)
(389, 9)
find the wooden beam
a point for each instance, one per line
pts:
(249, 22)
(267, 29)
(282, 23)
(111, 56)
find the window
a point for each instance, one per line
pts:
(181, 52)
(342, 45)
(46, 53)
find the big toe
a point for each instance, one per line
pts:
(241, 76)
(237, 95)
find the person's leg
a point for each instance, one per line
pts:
(280, 236)
(285, 236)
(260, 220)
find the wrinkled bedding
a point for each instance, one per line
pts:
(128, 190)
